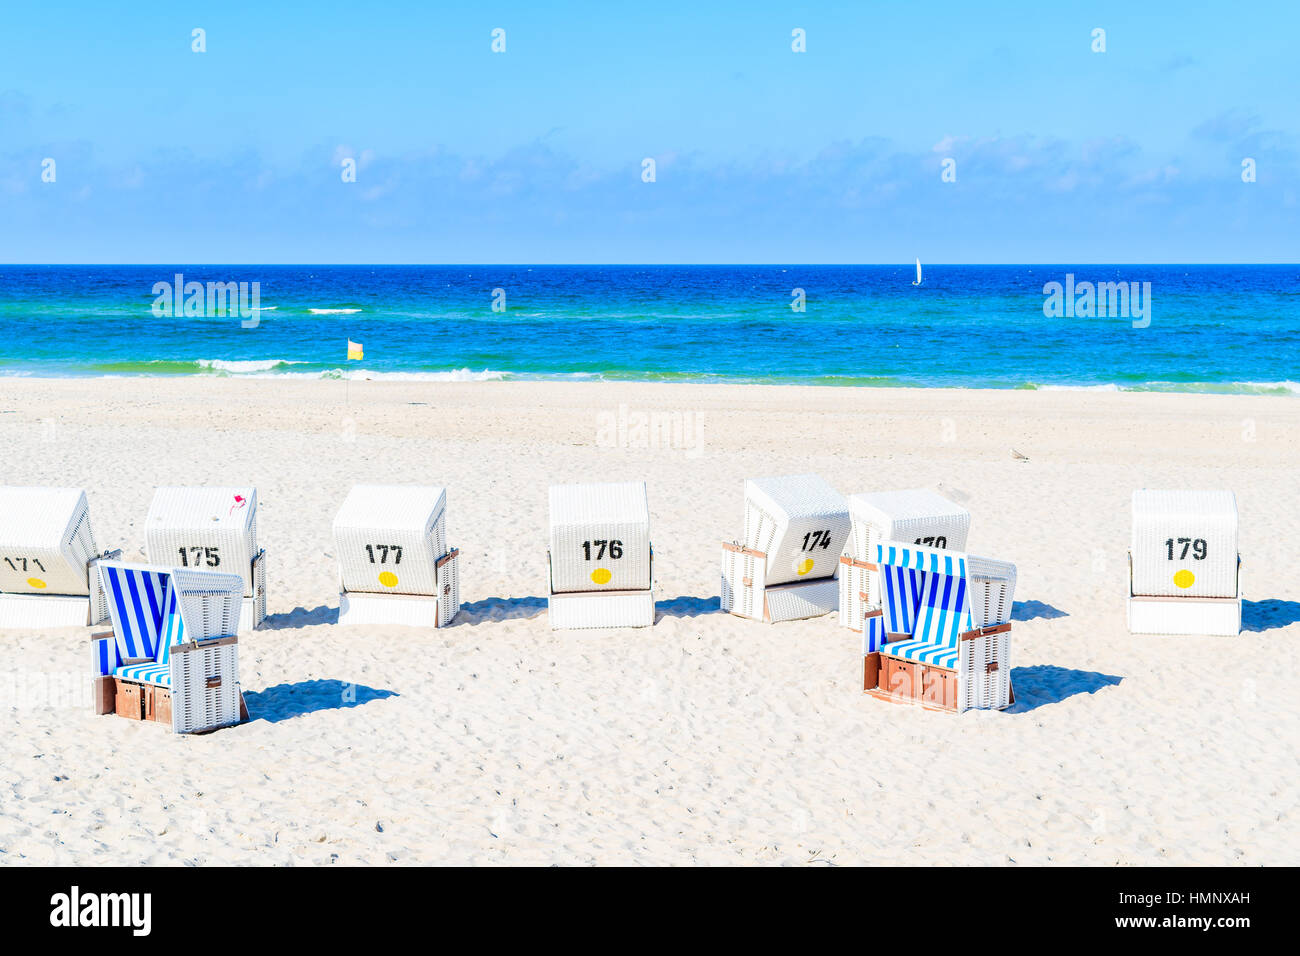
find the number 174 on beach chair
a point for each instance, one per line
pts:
(172, 655)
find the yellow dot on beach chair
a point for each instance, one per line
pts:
(35, 583)
(388, 579)
(601, 575)
(804, 566)
(1184, 578)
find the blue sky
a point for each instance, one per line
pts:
(763, 154)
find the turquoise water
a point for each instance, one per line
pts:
(1211, 328)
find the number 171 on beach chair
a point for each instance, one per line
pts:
(48, 558)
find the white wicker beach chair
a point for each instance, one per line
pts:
(917, 515)
(785, 569)
(394, 563)
(212, 529)
(941, 637)
(1184, 567)
(600, 562)
(47, 559)
(173, 653)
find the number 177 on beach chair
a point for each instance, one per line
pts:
(395, 566)
(172, 655)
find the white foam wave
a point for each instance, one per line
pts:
(244, 367)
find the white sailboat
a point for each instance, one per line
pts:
(918, 273)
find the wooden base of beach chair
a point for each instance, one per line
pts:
(745, 593)
(412, 610)
(590, 609)
(137, 701)
(1199, 616)
(856, 591)
(934, 688)
(982, 683)
(103, 695)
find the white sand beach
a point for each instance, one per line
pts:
(707, 738)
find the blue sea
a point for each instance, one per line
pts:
(1228, 328)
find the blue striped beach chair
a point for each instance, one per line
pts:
(172, 655)
(941, 636)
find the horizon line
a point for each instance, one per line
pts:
(665, 265)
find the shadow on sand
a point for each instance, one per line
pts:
(687, 607)
(1041, 684)
(301, 617)
(1035, 610)
(286, 701)
(499, 609)
(1266, 615)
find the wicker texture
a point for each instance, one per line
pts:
(746, 593)
(252, 611)
(979, 685)
(1184, 544)
(177, 626)
(36, 611)
(803, 599)
(800, 522)
(46, 543)
(1218, 617)
(356, 607)
(600, 537)
(859, 592)
(573, 611)
(389, 538)
(743, 574)
(917, 515)
(198, 706)
(207, 529)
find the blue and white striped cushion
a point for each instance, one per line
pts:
(147, 673)
(873, 634)
(902, 589)
(924, 652)
(135, 603)
(173, 626)
(106, 658)
(943, 610)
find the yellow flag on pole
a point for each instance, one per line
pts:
(354, 351)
